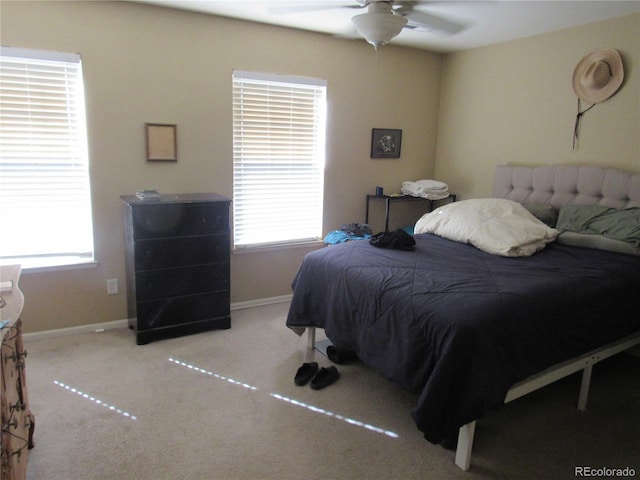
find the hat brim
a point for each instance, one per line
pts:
(613, 58)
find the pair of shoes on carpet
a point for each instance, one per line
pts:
(319, 378)
(340, 355)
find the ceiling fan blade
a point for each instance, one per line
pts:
(310, 7)
(422, 21)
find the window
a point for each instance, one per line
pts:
(44, 178)
(278, 158)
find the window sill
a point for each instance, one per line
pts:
(50, 264)
(279, 246)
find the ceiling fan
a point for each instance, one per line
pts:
(385, 19)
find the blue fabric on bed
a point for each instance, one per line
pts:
(459, 326)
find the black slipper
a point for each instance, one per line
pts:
(325, 377)
(305, 373)
(340, 355)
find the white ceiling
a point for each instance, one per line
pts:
(485, 22)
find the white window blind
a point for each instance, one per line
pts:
(44, 180)
(279, 127)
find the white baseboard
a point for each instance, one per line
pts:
(100, 327)
(89, 328)
(261, 302)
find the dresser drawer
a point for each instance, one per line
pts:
(174, 282)
(12, 368)
(181, 251)
(177, 310)
(17, 431)
(179, 219)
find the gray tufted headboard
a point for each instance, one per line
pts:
(565, 184)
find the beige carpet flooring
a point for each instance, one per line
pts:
(222, 405)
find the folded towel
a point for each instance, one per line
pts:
(429, 189)
(430, 184)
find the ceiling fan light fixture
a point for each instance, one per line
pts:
(379, 28)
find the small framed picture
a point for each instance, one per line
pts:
(162, 144)
(385, 143)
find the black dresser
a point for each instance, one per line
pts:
(177, 259)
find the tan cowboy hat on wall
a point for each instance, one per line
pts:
(598, 75)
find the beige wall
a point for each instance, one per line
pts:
(148, 64)
(514, 103)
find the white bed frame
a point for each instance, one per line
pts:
(556, 372)
(544, 378)
(556, 185)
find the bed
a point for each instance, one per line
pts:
(469, 329)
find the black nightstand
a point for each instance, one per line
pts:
(389, 199)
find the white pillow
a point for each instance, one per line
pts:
(498, 226)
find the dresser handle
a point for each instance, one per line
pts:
(18, 360)
(18, 405)
(12, 423)
(15, 356)
(18, 452)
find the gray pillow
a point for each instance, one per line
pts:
(621, 224)
(543, 212)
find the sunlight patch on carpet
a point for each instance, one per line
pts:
(95, 400)
(212, 374)
(337, 416)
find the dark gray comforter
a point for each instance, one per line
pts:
(459, 326)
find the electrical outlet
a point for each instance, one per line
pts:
(112, 286)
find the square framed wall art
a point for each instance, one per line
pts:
(386, 143)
